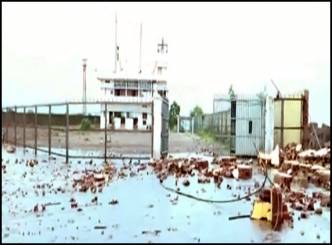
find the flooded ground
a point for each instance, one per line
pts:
(144, 212)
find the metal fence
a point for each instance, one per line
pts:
(237, 124)
(56, 129)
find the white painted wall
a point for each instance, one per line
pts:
(129, 124)
(269, 124)
(117, 123)
(157, 103)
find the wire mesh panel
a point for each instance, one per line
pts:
(63, 129)
(129, 129)
(185, 124)
(84, 133)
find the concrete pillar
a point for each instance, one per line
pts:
(269, 125)
(178, 124)
(157, 124)
(192, 125)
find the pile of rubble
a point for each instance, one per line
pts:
(304, 166)
(183, 167)
(93, 179)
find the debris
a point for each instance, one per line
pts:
(186, 182)
(283, 179)
(304, 215)
(113, 202)
(155, 232)
(245, 171)
(275, 156)
(318, 211)
(10, 148)
(100, 227)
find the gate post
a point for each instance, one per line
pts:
(35, 130)
(15, 136)
(67, 128)
(105, 131)
(24, 127)
(49, 129)
(178, 124)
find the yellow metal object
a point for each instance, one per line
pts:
(262, 210)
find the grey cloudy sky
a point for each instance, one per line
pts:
(211, 45)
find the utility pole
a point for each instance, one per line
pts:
(84, 86)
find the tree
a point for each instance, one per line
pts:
(173, 114)
(196, 112)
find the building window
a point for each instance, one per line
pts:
(144, 122)
(107, 81)
(145, 115)
(250, 127)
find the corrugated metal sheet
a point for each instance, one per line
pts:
(249, 113)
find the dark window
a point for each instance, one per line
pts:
(145, 115)
(250, 127)
(144, 122)
(117, 114)
(107, 81)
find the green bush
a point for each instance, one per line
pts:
(85, 124)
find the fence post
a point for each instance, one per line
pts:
(67, 128)
(49, 129)
(152, 122)
(35, 130)
(192, 125)
(15, 136)
(105, 131)
(7, 116)
(282, 125)
(24, 127)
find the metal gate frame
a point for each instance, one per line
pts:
(164, 127)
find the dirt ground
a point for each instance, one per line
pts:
(117, 142)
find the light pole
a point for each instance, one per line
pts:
(84, 86)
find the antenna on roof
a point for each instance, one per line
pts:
(278, 94)
(140, 51)
(116, 51)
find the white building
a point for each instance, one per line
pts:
(131, 99)
(132, 95)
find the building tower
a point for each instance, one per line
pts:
(161, 63)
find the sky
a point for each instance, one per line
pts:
(210, 47)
